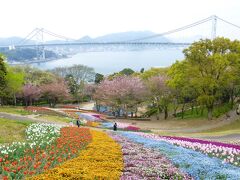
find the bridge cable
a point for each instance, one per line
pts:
(57, 35)
(228, 22)
(175, 30)
(28, 37)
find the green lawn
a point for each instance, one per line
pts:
(12, 130)
(14, 110)
(196, 112)
(52, 118)
(233, 127)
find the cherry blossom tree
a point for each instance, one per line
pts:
(55, 92)
(30, 93)
(124, 92)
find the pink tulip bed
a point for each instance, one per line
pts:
(145, 163)
(149, 156)
(227, 152)
(121, 126)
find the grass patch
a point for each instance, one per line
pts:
(197, 113)
(12, 130)
(14, 110)
(52, 118)
(233, 127)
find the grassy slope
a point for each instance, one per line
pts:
(14, 110)
(231, 128)
(52, 118)
(11, 130)
(22, 111)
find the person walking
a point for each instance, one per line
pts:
(115, 126)
(78, 123)
(71, 123)
(238, 109)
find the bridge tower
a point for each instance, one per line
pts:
(40, 49)
(214, 27)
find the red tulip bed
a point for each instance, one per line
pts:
(68, 106)
(41, 110)
(46, 147)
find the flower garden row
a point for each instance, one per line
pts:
(196, 164)
(94, 120)
(46, 146)
(102, 159)
(145, 163)
(54, 152)
(229, 153)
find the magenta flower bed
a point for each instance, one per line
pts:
(145, 163)
(132, 128)
(203, 142)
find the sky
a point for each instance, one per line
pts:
(77, 18)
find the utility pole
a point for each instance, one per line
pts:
(214, 27)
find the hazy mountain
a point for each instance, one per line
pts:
(13, 41)
(124, 36)
(86, 39)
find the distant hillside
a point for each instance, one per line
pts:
(13, 41)
(26, 54)
(122, 36)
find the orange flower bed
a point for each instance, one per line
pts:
(39, 159)
(92, 124)
(102, 159)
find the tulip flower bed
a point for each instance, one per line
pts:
(68, 106)
(102, 159)
(36, 135)
(121, 126)
(227, 152)
(41, 110)
(196, 164)
(49, 148)
(92, 124)
(193, 140)
(145, 163)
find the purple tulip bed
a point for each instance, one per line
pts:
(150, 156)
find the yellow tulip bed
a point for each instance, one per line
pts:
(102, 159)
(92, 124)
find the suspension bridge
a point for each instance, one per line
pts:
(40, 44)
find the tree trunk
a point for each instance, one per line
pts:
(165, 113)
(26, 101)
(202, 109)
(210, 112)
(175, 111)
(126, 112)
(197, 110)
(158, 113)
(15, 99)
(136, 110)
(192, 107)
(231, 101)
(183, 107)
